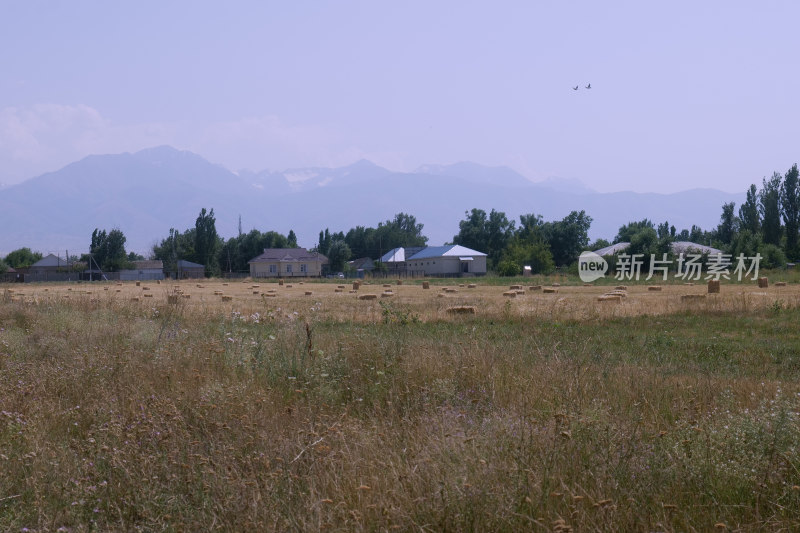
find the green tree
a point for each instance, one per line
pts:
(338, 254)
(206, 240)
(790, 209)
(627, 231)
(568, 237)
(107, 250)
(507, 267)
(22, 258)
(748, 212)
(472, 231)
(176, 246)
(727, 224)
(770, 210)
(291, 240)
(533, 253)
(489, 234)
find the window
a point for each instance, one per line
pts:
(288, 269)
(303, 268)
(273, 269)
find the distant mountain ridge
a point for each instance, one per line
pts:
(148, 192)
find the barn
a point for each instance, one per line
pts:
(451, 260)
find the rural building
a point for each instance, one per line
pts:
(49, 263)
(364, 264)
(51, 268)
(189, 270)
(448, 260)
(11, 276)
(143, 270)
(677, 248)
(287, 263)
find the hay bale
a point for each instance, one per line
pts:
(763, 283)
(226, 298)
(256, 292)
(440, 295)
(713, 286)
(426, 284)
(288, 285)
(217, 293)
(692, 297)
(118, 290)
(104, 288)
(621, 288)
(654, 288)
(172, 299)
(387, 294)
(138, 283)
(148, 295)
(461, 285)
(386, 285)
(555, 285)
(613, 298)
(356, 285)
(462, 310)
(251, 286)
(471, 286)
(135, 299)
(309, 293)
(340, 286)
(550, 290)
(368, 297)
(450, 290)
(338, 290)
(520, 292)
(535, 288)
(270, 295)
(186, 296)
(145, 288)
(399, 281)
(510, 294)
(780, 283)
(621, 294)
(515, 287)
(280, 282)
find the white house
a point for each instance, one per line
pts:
(448, 260)
(287, 262)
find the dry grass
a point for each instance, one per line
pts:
(326, 412)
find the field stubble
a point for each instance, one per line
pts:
(322, 411)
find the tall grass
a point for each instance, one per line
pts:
(120, 416)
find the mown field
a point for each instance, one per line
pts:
(169, 407)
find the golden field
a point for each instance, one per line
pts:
(219, 405)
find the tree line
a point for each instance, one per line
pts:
(767, 223)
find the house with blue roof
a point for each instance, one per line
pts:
(449, 260)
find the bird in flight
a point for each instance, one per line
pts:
(589, 86)
(575, 88)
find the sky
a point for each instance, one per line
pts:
(684, 94)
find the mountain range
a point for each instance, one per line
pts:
(148, 192)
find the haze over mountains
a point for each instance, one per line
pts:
(148, 192)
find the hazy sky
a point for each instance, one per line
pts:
(684, 93)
